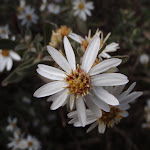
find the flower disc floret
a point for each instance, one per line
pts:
(28, 16)
(5, 53)
(78, 82)
(81, 6)
(109, 117)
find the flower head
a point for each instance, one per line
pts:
(14, 141)
(12, 124)
(76, 83)
(53, 8)
(28, 16)
(116, 113)
(82, 9)
(112, 47)
(144, 59)
(4, 32)
(6, 59)
(58, 35)
(30, 143)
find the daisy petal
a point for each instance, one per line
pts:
(90, 54)
(104, 66)
(81, 110)
(3, 63)
(50, 72)
(59, 59)
(101, 104)
(9, 64)
(71, 101)
(109, 79)
(124, 106)
(49, 89)
(92, 127)
(59, 101)
(15, 56)
(124, 114)
(93, 107)
(105, 96)
(69, 53)
(129, 98)
(101, 128)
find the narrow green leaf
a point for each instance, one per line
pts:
(7, 44)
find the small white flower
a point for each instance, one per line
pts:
(6, 59)
(75, 85)
(31, 143)
(112, 47)
(14, 141)
(28, 16)
(12, 124)
(82, 8)
(4, 32)
(116, 112)
(144, 59)
(53, 8)
(43, 5)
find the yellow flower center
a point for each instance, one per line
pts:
(108, 117)
(63, 30)
(78, 82)
(28, 17)
(5, 53)
(3, 31)
(81, 6)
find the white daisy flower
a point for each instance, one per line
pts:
(4, 32)
(12, 124)
(77, 82)
(28, 16)
(144, 59)
(116, 112)
(82, 8)
(6, 59)
(53, 8)
(14, 141)
(43, 5)
(112, 47)
(31, 143)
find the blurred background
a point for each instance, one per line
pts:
(129, 24)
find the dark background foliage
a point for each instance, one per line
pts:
(129, 23)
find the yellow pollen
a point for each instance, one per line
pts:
(5, 53)
(81, 6)
(78, 82)
(108, 117)
(63, 31)
(3, 31)
(28, 16)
